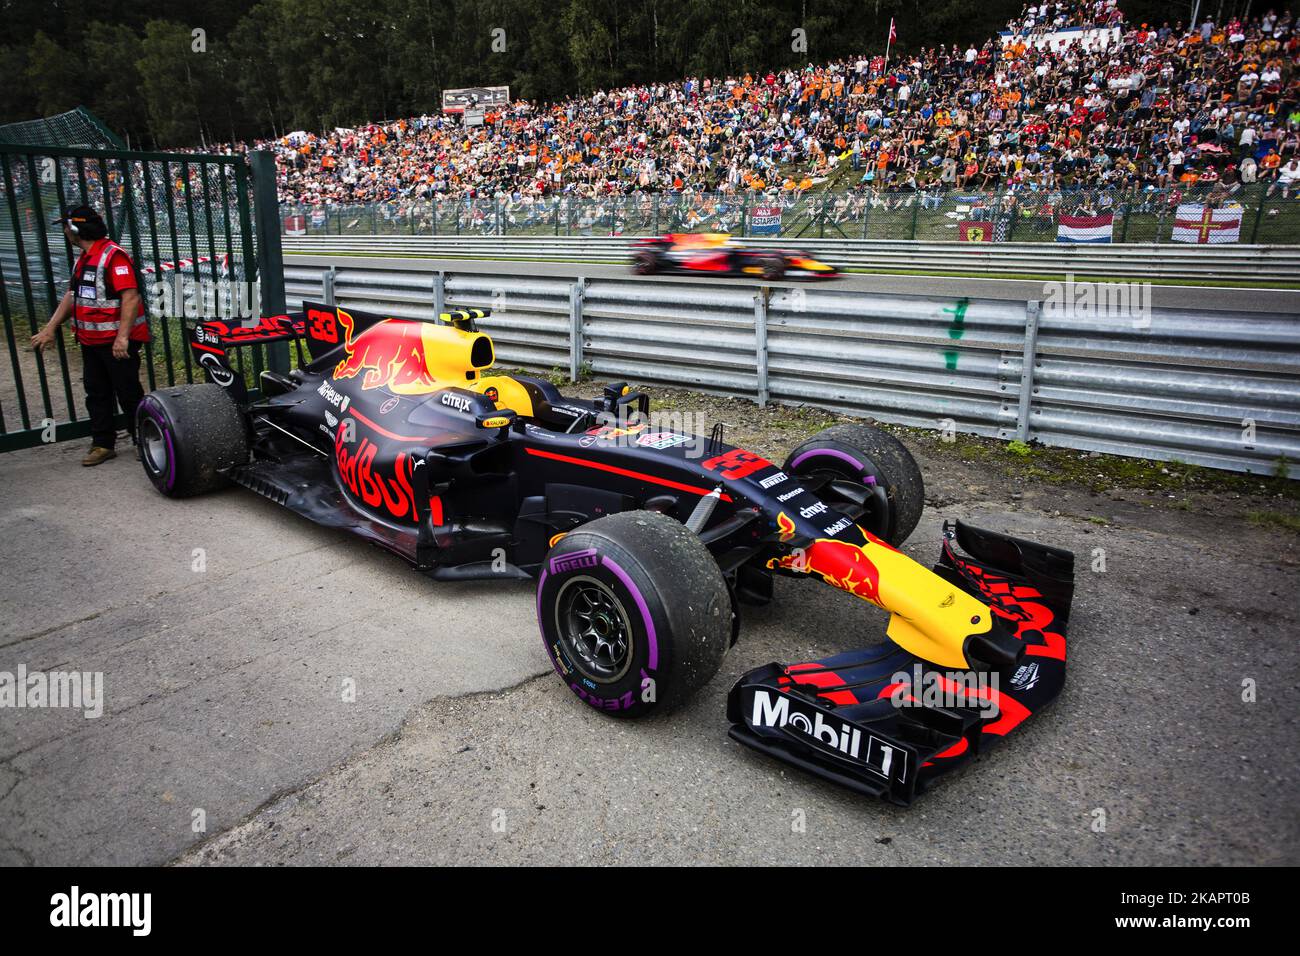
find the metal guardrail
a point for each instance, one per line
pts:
(1220, 389)
(1143, 261)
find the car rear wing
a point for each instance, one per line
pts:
(324, 329)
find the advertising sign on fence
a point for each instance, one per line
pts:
(765, 221)
(482, 97)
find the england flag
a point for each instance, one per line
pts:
(1085, 228)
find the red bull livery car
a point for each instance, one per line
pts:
(644, 542)
(714, 254)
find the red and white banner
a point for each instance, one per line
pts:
(765, 221)
(1207, 225)
(223, 262)
(295, 225)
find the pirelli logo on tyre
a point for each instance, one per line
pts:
(576, 561)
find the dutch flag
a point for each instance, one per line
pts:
(1085, 228)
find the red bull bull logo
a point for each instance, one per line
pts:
(391, 353)
(929, 616)
(840, 564)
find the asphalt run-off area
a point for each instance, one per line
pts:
(274, 692)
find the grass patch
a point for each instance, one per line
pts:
(1096, 472)
(1274, 519)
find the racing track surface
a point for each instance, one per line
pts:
(224, 692)
(1023, 290)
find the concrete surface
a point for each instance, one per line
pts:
(224, 693)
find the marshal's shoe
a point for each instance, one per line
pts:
(97, 456)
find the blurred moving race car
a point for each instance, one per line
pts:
(713, 253)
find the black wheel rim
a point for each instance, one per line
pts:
(153, 445)
(594, 629)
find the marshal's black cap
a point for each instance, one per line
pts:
(84, 221)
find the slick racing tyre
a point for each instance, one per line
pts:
(634, 613)
(188, 435)
(645, 264)
(773, 268)
(867, 455)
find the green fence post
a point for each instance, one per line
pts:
(270, 259)
(1259, 212)
(916, 211)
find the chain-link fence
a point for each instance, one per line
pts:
(1259, 213)
(187, 221)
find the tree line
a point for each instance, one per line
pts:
(183, 73)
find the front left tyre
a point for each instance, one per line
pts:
(190, 436)
(645, 263)
(634, 613)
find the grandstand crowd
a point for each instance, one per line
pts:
(1072, 96)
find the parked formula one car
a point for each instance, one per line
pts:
(714, 254)
(644, 541)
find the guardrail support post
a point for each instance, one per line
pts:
(760, 341)
(1033, 311)
(327, 285)
(439, 293)
(576, 293)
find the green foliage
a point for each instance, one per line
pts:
(272, 66)
(1275, 519)
(1019, 449)
(54, 85)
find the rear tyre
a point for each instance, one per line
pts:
(774, 268)
(189, 435)
(634, 613)
(861, 453)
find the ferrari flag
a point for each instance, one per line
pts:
(1205, 224)
(1085, 228)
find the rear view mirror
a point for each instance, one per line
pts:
(502, 419)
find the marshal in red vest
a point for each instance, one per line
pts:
(102, 273)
